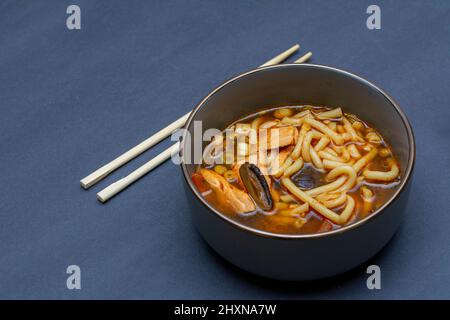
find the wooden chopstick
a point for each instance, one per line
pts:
(304, 58)
(102, 172)
(281, 57)
(121, 184)
(116, 187)
(105, 170)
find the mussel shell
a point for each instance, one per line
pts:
(256, 185)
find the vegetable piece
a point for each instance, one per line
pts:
(220, 169)
(230, 176)
(281, 113)
(384, 153)
(256, 185)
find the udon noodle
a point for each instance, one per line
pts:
(298, 170)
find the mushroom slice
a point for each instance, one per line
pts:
(256, 185)
(307, 178)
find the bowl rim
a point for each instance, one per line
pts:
(257, 232)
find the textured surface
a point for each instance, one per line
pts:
(72, 100)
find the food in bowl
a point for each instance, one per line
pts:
(298, 170)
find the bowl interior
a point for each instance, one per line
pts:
(298, 85)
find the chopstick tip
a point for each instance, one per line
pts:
(84, 185)
(100, 198)
(304, 58)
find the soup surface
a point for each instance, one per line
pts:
(298, 170)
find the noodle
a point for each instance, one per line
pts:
(383, 176)
(312, 202)
(323, 128)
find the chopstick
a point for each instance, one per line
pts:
(121, 184)
(304, 58)
(281, 57)
(102, 172)
(105, 170)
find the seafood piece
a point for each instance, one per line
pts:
(237, 200)
(277, 137)
(256, 185)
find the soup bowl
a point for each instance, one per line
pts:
(299, 257)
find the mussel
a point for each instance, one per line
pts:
(308, 178)
(256, 185)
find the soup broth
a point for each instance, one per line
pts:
(298, 170)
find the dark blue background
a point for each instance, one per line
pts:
(72, 100)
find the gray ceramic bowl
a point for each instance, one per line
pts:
(301, 257)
